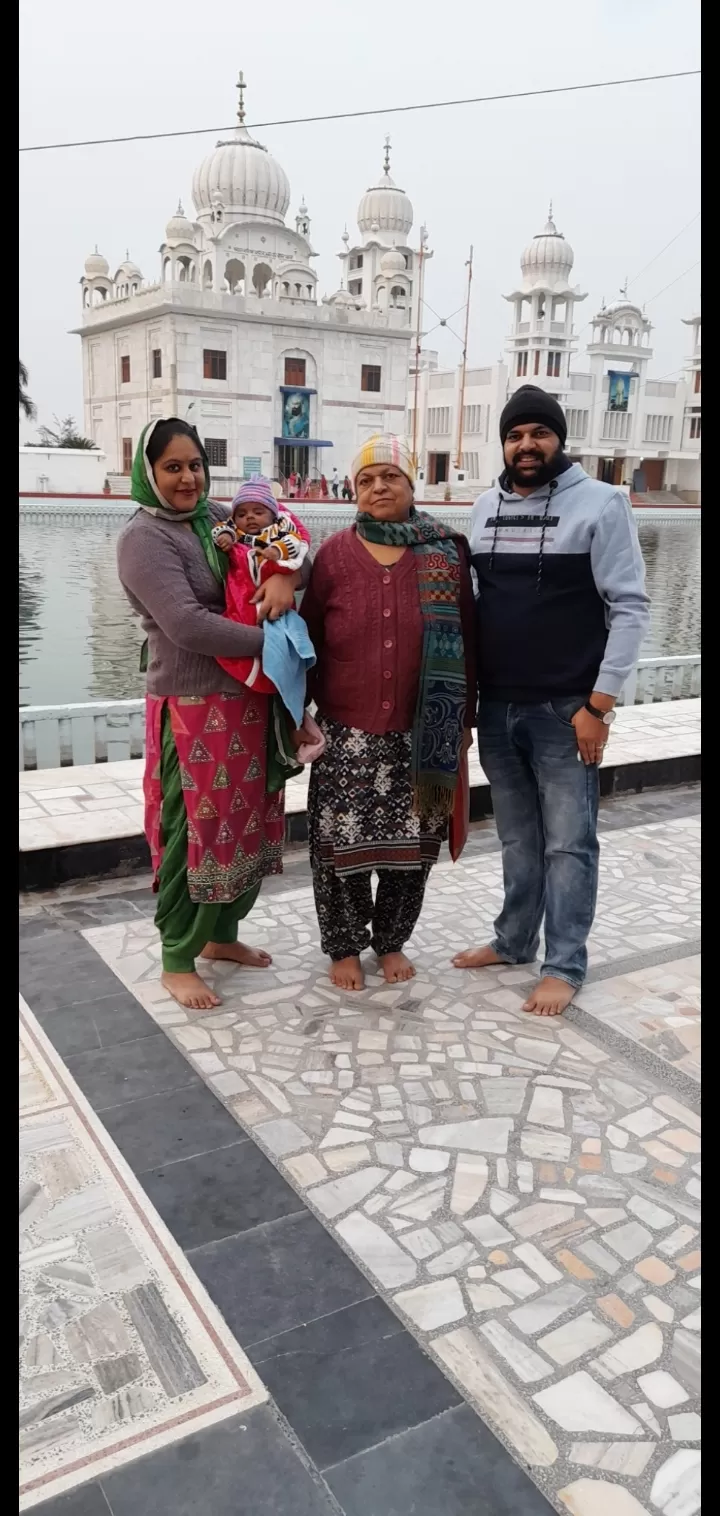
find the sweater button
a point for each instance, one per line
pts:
(387, 674)
(386, 578)
(387, 642)
(386, 705)
(387, 612)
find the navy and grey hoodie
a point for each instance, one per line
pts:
(562, 608)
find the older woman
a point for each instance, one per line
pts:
(390, 611)
(214, 831)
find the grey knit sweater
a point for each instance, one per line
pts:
(170, 585)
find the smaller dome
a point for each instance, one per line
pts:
(96, 266)
(128, 270)
(623, 307)
(179, 229)
(385, 207)
(392, 263)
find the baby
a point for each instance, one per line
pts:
(259, 541)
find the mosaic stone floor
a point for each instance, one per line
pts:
(526, 1199)
(658, 1007)
(121, 1351)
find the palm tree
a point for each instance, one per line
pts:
(26, 406)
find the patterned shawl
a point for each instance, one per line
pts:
(442, 693)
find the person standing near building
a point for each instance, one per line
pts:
(562, 613)
(335, 482)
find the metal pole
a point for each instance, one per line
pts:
(418, 337)
(458, 461)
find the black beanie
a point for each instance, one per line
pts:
(530, 403)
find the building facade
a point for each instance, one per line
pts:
(232, 334)
(623, 426)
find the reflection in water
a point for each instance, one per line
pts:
(80, 641)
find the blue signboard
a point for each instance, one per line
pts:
(618, 390)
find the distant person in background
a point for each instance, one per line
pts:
(562, 614)
(323, 487)
(213, 829)
(293, 482)
(347, 493)
(335, 482)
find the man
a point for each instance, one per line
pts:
(562, 612)
(335, 482)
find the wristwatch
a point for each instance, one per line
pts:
(607, 717)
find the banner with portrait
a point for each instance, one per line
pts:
(296, 415)
(618, 390)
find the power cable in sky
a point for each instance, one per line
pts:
(664, 249)
(389, 110)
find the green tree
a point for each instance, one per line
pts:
(27, 408)
(66, 435)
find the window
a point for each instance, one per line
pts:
(536, 366)
(355, 287)
(438, 420)
(370, 377)
(694, 426)
(125, 369)
(696, 385)
(658, 428)
(214, 363)
(157, 363)
(216, 449)
(472, 420)
(356, 260)
(577, 424)
(553, 365)
(295, 369)
(521, 364)
(127, 452)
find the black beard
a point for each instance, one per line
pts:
(544, 472)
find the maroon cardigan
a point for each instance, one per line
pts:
(366, 625)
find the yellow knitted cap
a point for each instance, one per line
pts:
(385, 448)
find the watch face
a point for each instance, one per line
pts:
(609, 717)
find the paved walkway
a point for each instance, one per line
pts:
(426, 1220)
(93, 802)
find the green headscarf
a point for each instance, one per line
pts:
(144, 491)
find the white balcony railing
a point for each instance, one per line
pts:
(58, 736)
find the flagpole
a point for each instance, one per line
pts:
(418, 339)
(469, 266)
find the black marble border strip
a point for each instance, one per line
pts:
(357, 1405)
(46, 868)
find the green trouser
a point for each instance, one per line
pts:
(184, 926)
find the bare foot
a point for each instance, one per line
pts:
(476, 958)
(191, 991)
(551, 997)
(237, 952)
(347, 974)
(396, 966)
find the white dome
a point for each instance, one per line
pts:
(96, 266)
(384, 207)
(623, 307)
(548, 255)
(128, 270)
(179, 229)
(245, 178)
(392, 262)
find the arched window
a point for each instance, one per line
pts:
(207, 275)
(262, 278)
(235, 276)
(286, 287)
(167, 270)
(397, 294)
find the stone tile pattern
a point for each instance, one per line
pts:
(91, 802)
(659, 1007)
(114, 1357)
(526, 1201)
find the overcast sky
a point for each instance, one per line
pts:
(622, 166)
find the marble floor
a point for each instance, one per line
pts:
(93, 802)
(121, 1350)
(525, 1197)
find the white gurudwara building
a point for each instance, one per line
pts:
(623, 426)
(232, 335)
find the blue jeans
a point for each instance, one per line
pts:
(545, 804)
